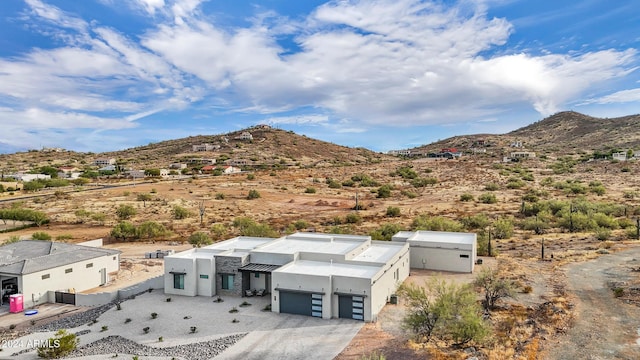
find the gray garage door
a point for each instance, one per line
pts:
(301, 303)
(351, 307)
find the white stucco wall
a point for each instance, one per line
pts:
(355, 286)
(387, 282)
(180, 264)
(257, 282)
(81, 278)
(205, 268)
(442, 259)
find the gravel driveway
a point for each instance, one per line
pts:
(605, 327)
(199, 328)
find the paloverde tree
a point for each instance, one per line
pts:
(199, 239)
(494, 287)
(125, 212)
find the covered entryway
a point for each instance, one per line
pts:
(256, 279)
(65, 297)
(351, 307)
(301, 303)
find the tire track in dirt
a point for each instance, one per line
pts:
(604, 327)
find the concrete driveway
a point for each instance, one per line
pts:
(269, 335)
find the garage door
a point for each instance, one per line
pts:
(301, 303)
(351, 307)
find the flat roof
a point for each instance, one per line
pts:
(321, 268)
(240, 243)
(291, 246)
(380, 253)
(444, 237)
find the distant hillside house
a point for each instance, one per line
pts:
(108, 168)
(164, 172)
(136, 174)
(237, 162)
(516, 144)
(399, 152)
(33, 268)
(67, 169)
(205, 147)
(202, 161)
(522, 155)
(208, 168)
(178, 166)
(104, 161)
(245, 135)
(29, 177)
(231, 170)
(620, 156)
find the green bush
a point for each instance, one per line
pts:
(491, 187)
(180, 213)
(40, 235)
(251, 177)
(436, 223)
(602, 233)
(384, 191)
(310, 190)
(487, 198)
(393, 211)
(502, 228)
(385, 232)
(423, 182)
(478, 221)
(60, 345)
(253, 194)
(199, 239)
(353, 218)
(124, 212)
(466, 197)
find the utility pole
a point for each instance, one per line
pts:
(542, 249)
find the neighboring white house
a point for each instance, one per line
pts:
(178, 166)
(399, 152)
(321, 275)
(108, 168)
(245, 135)
(104, 161)
(522, 155)
(620, 156)
(36, 267)
(29, 177)
(439, 250)
(231, 170)
(205, 147)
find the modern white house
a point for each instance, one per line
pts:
(321, 275)
(314, 274)
(34, 267)
(440, 250)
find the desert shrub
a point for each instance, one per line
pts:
(422, 182)
(253, 194)
(220, 196)
(576, 222)
(353, 218)
(124, 230)
(199, 239)
(124, 212)
(605, 221)
(406, 172)
(478, 221)
(248, 227)
(150, 229)
(436, 223)
(466, 197)
(630, 194)
(446, 311)
(494, 287)
(563, 165)
(310, 190)
(538, 224)
(333, 184)
(527, 177)
(40, 235)
(487, 198)
(60, 345)
(502, 228)
(180, 213)
(602, 233)
(409, 194)
(348, 183)
(515, 183)
(491, 187)
(384, 191)
(21, 214)
(385, 232)
(393, 211)
(251, 177)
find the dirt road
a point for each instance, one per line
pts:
(606, 327)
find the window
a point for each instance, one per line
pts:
(114, 257)
(46, 276)
(227, 281)
(178, 281)
(203, 276)
(66, 271)
(89, 265)
(465, 256)
(257, 275)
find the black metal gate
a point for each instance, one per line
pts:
(65, 298)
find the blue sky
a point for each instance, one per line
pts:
(100, 75)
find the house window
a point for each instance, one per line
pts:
(114, 258)
(66, 271)
(464, 256)
(89, 265)
(178, 281)
(46, 276)
(227, 281)
(203, 276)
(257, 275)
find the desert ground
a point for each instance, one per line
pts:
(552, 306)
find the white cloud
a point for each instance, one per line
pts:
(300, 119)
(623, 96)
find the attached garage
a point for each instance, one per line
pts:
(439, 250)
(301, 303)
(351, 307)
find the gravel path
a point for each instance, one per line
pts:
(605, 327)
(116, 344)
